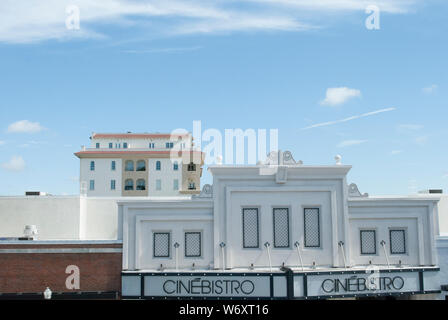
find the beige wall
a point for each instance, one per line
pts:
(134, 175)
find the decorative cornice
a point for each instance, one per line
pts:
(138, 135)
(353, 191)
(281, 158)
(149, 154)
(207, 192)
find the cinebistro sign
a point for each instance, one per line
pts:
(361, 284)
(213, 286)
(280, 285)
(355, 283)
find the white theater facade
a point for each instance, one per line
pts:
(280, 230)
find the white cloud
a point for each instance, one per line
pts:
(394, 152)
(431, 89)
(349, 143)
(25, 126)
(32, 143)
(389, 6)
(368, 114)
(26, 21)
(421, 140)
(16, 164)
(409, 127)
(337, 96)
(164, 50)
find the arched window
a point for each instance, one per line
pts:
(175, 166)
(141, 184)
(191, 166)
(129, 185)
(191, 185)
(92, 165)
(129, 165)
(141, 165)
(158, 165)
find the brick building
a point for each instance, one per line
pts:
(71, 269)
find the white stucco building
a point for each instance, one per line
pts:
(280, 230)
(140, 165)
(276, 230)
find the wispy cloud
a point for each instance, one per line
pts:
(349, 143)
(430, 89)
(368, 114)
(32, 143)
(25, 21)
(164, 50)
(337, 96)
(389, 6)
(15, 164)
(395, 152)
(409, 127)
(25, 126)
(422, 140)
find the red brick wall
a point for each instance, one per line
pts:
(33, 272)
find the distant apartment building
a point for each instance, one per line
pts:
(140, 165)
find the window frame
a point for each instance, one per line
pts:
(361, 231)
(92, 165)
(158, 165)
(318, 228)
(126, 165)
(158, 184)
(137, 168)
(113, 184)
(92, 185)
(154, 244)
(288, 227)
(113, 165)
(403, 231)
(137, 185)
(258, 228)
(125, 184)
(175, 166)
(185, 244)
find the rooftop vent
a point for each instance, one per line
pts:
(30, 232)
(432, 191)
(35, 193)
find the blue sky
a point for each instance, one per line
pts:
(145, 66)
